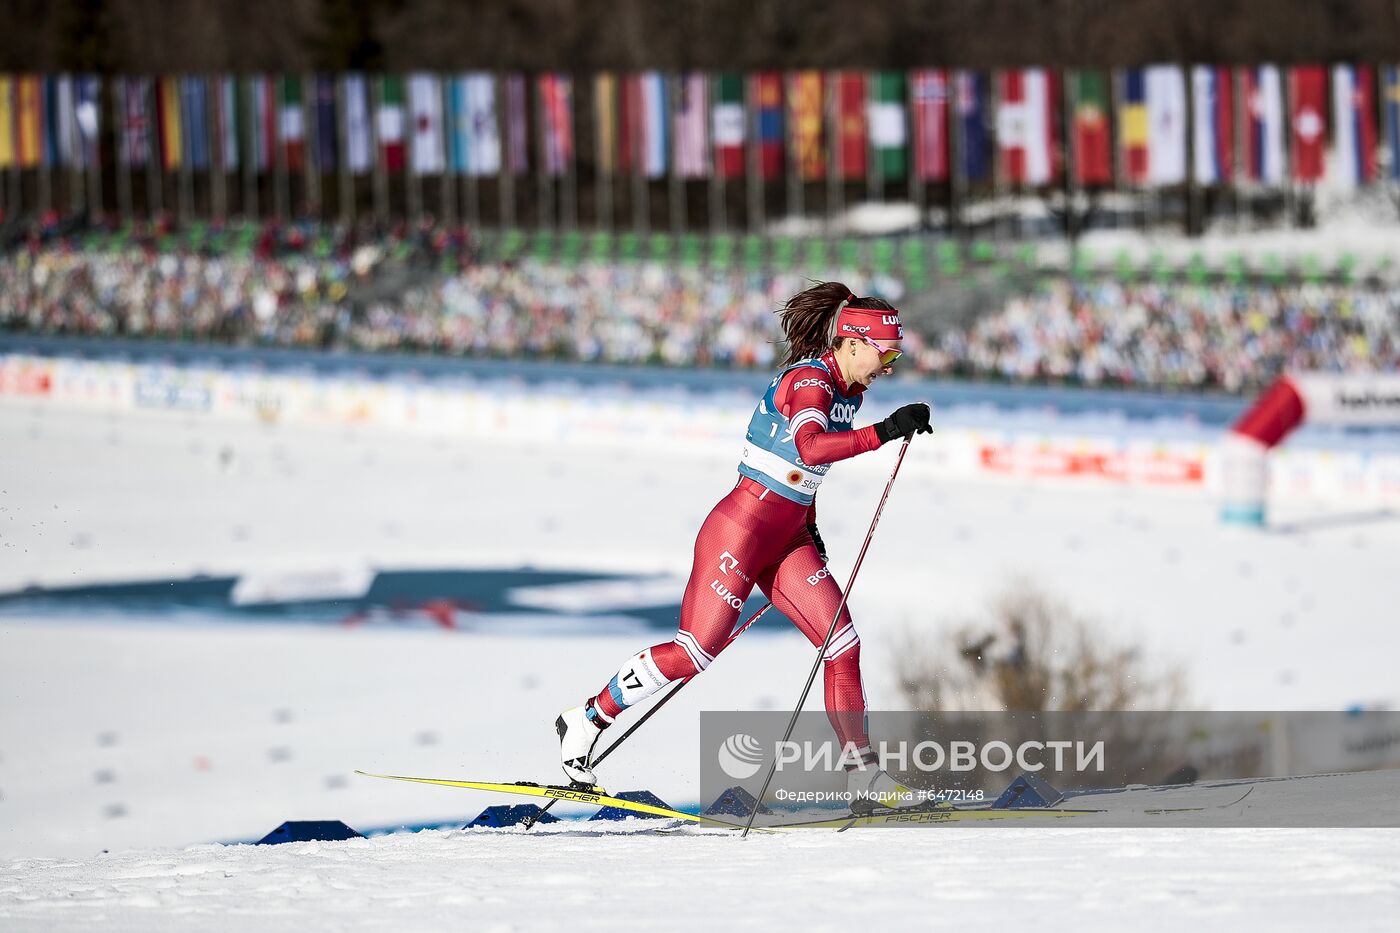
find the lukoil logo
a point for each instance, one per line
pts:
(726, 594)
(741, 756)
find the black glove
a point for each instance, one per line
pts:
(903, 422)
(817, 540)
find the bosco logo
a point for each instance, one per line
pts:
(818, 577)
(843, 411)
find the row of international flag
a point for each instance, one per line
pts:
(1156, 125)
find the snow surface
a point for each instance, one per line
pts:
(119, 734)
(945, 879)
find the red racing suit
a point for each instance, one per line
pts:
(757, 537)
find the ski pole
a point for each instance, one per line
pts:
(831, 630)
(530, 821)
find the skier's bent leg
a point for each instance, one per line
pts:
(732, 544)
(646, 672)
(642, 675)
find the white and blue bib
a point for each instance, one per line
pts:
(770, 451)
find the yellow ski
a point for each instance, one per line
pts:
(595, 797)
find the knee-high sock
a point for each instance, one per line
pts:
(647, 672)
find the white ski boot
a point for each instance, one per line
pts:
(577, 736)
(872, 788)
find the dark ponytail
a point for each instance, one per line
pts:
(809, 317)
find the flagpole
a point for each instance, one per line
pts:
(1070, 183)
(544, 186)
(957, 168)
(791, 161)
(184, 175)
(603, 176)
(912, 134)
(96, 190)
(448, 127)
(1237, 168)
(1115, 149)
(676, 183)
(379, 178)
(641, 195)
(1290, 197)
(874, 171)
(716, 180)
(1388, 86)
(570, 185)
(835, 163)
(10, 177)
(413, 182)
(123, 161)
(345, 190)
(218, 194)
(68, 126)
(310, 144)
(45, 182)
(154, 159)
(467, 85)
(5, 171)
(1195, 205)
(753, 148)
(280, 193)
(505, 186)
(249, 145)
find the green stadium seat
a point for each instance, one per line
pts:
(1196, 269)
(1311, 268)
(848, 254)
(722, 252)
(882, 256)
(511, 244)
(754, 252)
(1346, 268)
(542, 245)
(1123, 267)
(660, 247)
(949, 259)
(600, 246)
(1234, 268)
(692, 250)
(571, 248)
(912, 256)
(784, 254)
(1081, 264)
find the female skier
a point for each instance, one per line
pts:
(764, 532)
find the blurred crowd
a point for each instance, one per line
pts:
(427, 291)
(1222, 337)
